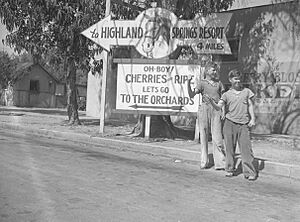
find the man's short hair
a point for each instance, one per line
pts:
(211, 65)
(234, 73)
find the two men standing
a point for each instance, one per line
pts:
(235, 106)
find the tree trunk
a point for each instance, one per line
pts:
(161, 127)
(72, 106)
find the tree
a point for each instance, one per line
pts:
(53, 27)
(7, 69)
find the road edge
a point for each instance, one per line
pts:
(264, 166)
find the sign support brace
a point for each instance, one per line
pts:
(147, 127)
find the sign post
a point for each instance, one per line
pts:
(147, 126)
(106, 63)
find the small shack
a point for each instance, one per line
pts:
(35, 86)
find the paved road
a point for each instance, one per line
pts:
(42, 179)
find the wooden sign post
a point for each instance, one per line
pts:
(104, 78)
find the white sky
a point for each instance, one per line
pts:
(3, 33)
(239, 4)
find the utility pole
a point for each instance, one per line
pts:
(106, 63)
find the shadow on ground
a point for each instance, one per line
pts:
(111, 123)
(12, 114)
(258, 163)
(40, 111)
(185, 133)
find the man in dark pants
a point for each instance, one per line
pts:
(239, 118)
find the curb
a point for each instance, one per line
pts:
(264, 166)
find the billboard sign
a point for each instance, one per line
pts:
(157, 32)
(155, 87)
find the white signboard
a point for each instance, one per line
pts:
(157, 32)
(153, 87)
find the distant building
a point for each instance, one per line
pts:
(36, 87)
(265, 39)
